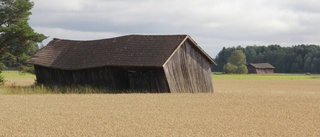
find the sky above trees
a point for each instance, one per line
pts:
(213, 24)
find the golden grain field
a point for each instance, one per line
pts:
(237, 108)
(19, 81)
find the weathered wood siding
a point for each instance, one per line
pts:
(264, 71)
(139, 79)
(188, 71)
(147, 80)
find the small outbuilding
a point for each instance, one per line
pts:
(148, 63)
(260, 68)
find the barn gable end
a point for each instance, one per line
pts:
(147, 63)
(188, 71)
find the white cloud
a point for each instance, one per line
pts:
(74, 35)
(60, 5)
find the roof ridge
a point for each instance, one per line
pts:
(130, 35)
(261, 65)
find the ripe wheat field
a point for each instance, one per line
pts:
(236, 108)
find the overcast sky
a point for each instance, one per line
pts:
(213, 24)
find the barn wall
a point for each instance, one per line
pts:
(103, 76)
(140, 79)
(251, 69)
(264, 71)
(147, 80)
(188, 71)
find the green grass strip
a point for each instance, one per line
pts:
(267, 76)
(16, 74)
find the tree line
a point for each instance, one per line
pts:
(295, 59)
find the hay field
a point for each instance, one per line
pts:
(237, 108)
(14, 78)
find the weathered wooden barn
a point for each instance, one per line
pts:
(153, 63)
(260, 68)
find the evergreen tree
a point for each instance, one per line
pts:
(1, 77)
(17, 38)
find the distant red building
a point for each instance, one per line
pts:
(260, 68)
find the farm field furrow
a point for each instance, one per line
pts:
(236, 108)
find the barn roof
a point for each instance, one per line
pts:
(130, 50)
(261, 65)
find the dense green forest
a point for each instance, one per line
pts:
(295, 59)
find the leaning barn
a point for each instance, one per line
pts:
(260, 68)
(153, 63)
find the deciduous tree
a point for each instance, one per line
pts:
(229, 68)
(236, 63)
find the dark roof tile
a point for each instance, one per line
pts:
(131, 50)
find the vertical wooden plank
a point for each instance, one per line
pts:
(188, 71)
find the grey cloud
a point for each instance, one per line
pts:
(213, 23)
(304, 5)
